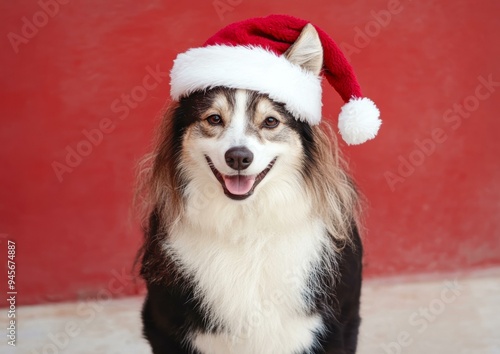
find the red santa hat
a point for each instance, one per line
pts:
(250, 55)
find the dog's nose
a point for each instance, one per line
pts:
(239, 157)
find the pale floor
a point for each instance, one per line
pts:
(456, 314)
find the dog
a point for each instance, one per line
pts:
(251, 240)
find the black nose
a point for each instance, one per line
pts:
(238, 158)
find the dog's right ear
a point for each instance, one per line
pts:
(307, 50)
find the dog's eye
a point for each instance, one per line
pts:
(214, 119)
(271, 122)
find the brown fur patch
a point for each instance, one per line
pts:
(334, 195)
(216, 102)
(261, 107)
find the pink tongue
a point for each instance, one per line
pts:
(239, 185)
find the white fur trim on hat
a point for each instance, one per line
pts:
(251, 68)
(359, 121)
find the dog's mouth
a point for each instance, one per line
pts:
(239, 187)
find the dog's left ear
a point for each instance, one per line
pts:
(307, 50)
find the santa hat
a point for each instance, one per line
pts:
(250, 55)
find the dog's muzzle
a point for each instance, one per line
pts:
(239, 186)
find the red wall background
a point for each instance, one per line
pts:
(433, 205)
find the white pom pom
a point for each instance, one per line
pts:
(359, 121)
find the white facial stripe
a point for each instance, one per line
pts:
(236, 131)
(237, 134)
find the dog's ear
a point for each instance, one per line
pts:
(307, 50)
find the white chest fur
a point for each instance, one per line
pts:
(254, 282)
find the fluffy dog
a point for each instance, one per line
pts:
(251, 244)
